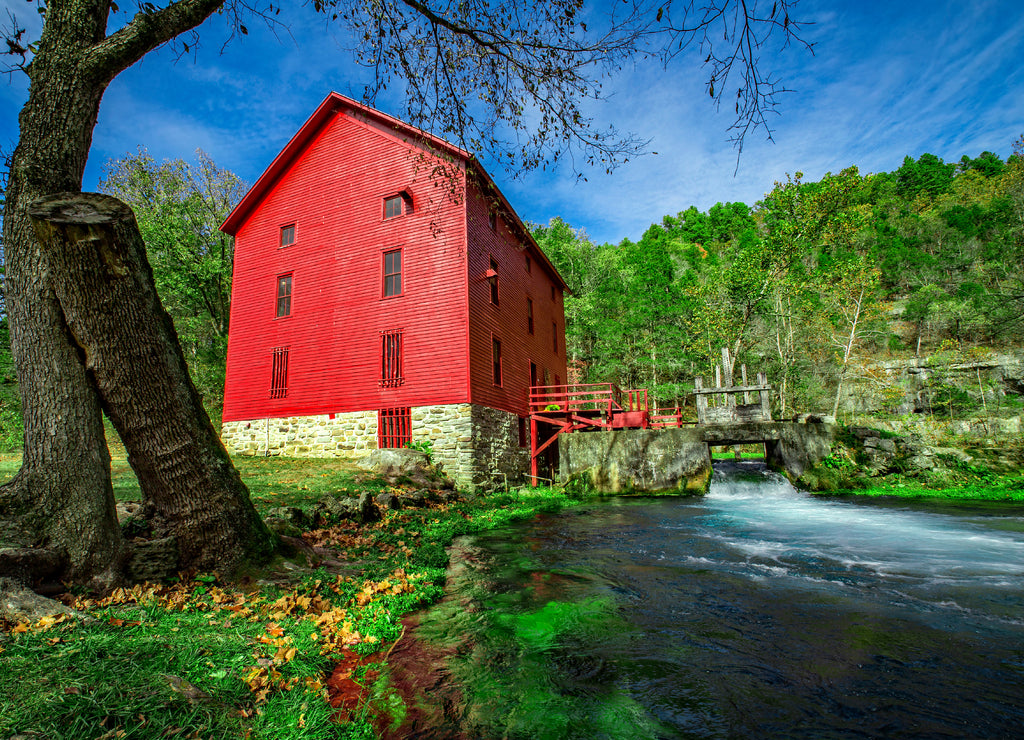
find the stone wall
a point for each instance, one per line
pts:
(477, 446)
(303, 436)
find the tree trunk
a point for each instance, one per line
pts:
(105, 287)
(61, 499)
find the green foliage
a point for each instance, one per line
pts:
(179, 207)
(422, 445)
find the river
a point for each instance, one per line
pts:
(756, 611)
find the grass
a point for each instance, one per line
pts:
(1009, 488)
(205, 659)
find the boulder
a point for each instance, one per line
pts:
(388, 501)
(368, 511)
(20, 604)
(406, 465)
(282, 527)
(293, 515)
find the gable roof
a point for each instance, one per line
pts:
(335, 102)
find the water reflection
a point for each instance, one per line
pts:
(756, 611)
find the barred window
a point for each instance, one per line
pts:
(394, 427)
(529, 315)
(279, 373)
(391, 358)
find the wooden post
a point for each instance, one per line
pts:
(730, 398)
(701, 399)
(766, 407)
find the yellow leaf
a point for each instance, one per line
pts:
(20, 627)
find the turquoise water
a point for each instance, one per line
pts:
(756, 611)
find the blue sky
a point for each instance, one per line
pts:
(887, 79)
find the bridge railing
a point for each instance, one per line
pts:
(668, 418)
(586, 399)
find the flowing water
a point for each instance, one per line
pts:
(755, 611)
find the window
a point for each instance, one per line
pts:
(492, 220)
(284, 296)
(533, 374)
(553, 293)
(529, 264)
(391, 358)
(394, 427)
(529, 315)
(396, 205)
(279, 373)
(393, 206)
(554, 337)
(524, 432)
(492, 278)
(287, 235)
(496, 360)
(393, 273)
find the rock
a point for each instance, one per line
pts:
(282, 527)
(921, 462)
(407, 464)
(449, 497)
(388, 501)
(863, 433)
(368, 511)
(330, 509)
(871, 443)
(128, 510)
(20, 604)
(153, 560)
(297, 547)
(414, 499)
(293, 515)
(954, 453)
(888, 445)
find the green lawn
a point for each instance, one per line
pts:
(205, 659)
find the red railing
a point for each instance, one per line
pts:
(586, 399)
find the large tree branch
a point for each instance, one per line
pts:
(145, 32)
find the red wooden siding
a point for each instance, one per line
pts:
(318, 216)
(333, 193)
(508, 321)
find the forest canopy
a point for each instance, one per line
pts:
(809, 278)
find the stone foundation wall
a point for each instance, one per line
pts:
(477, 446)
(303, 436)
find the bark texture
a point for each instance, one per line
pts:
(61, 499)
(190, 488)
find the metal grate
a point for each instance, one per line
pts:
(394, 427)
(279, 373)
(391, 358)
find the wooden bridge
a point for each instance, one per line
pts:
(564, 409)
